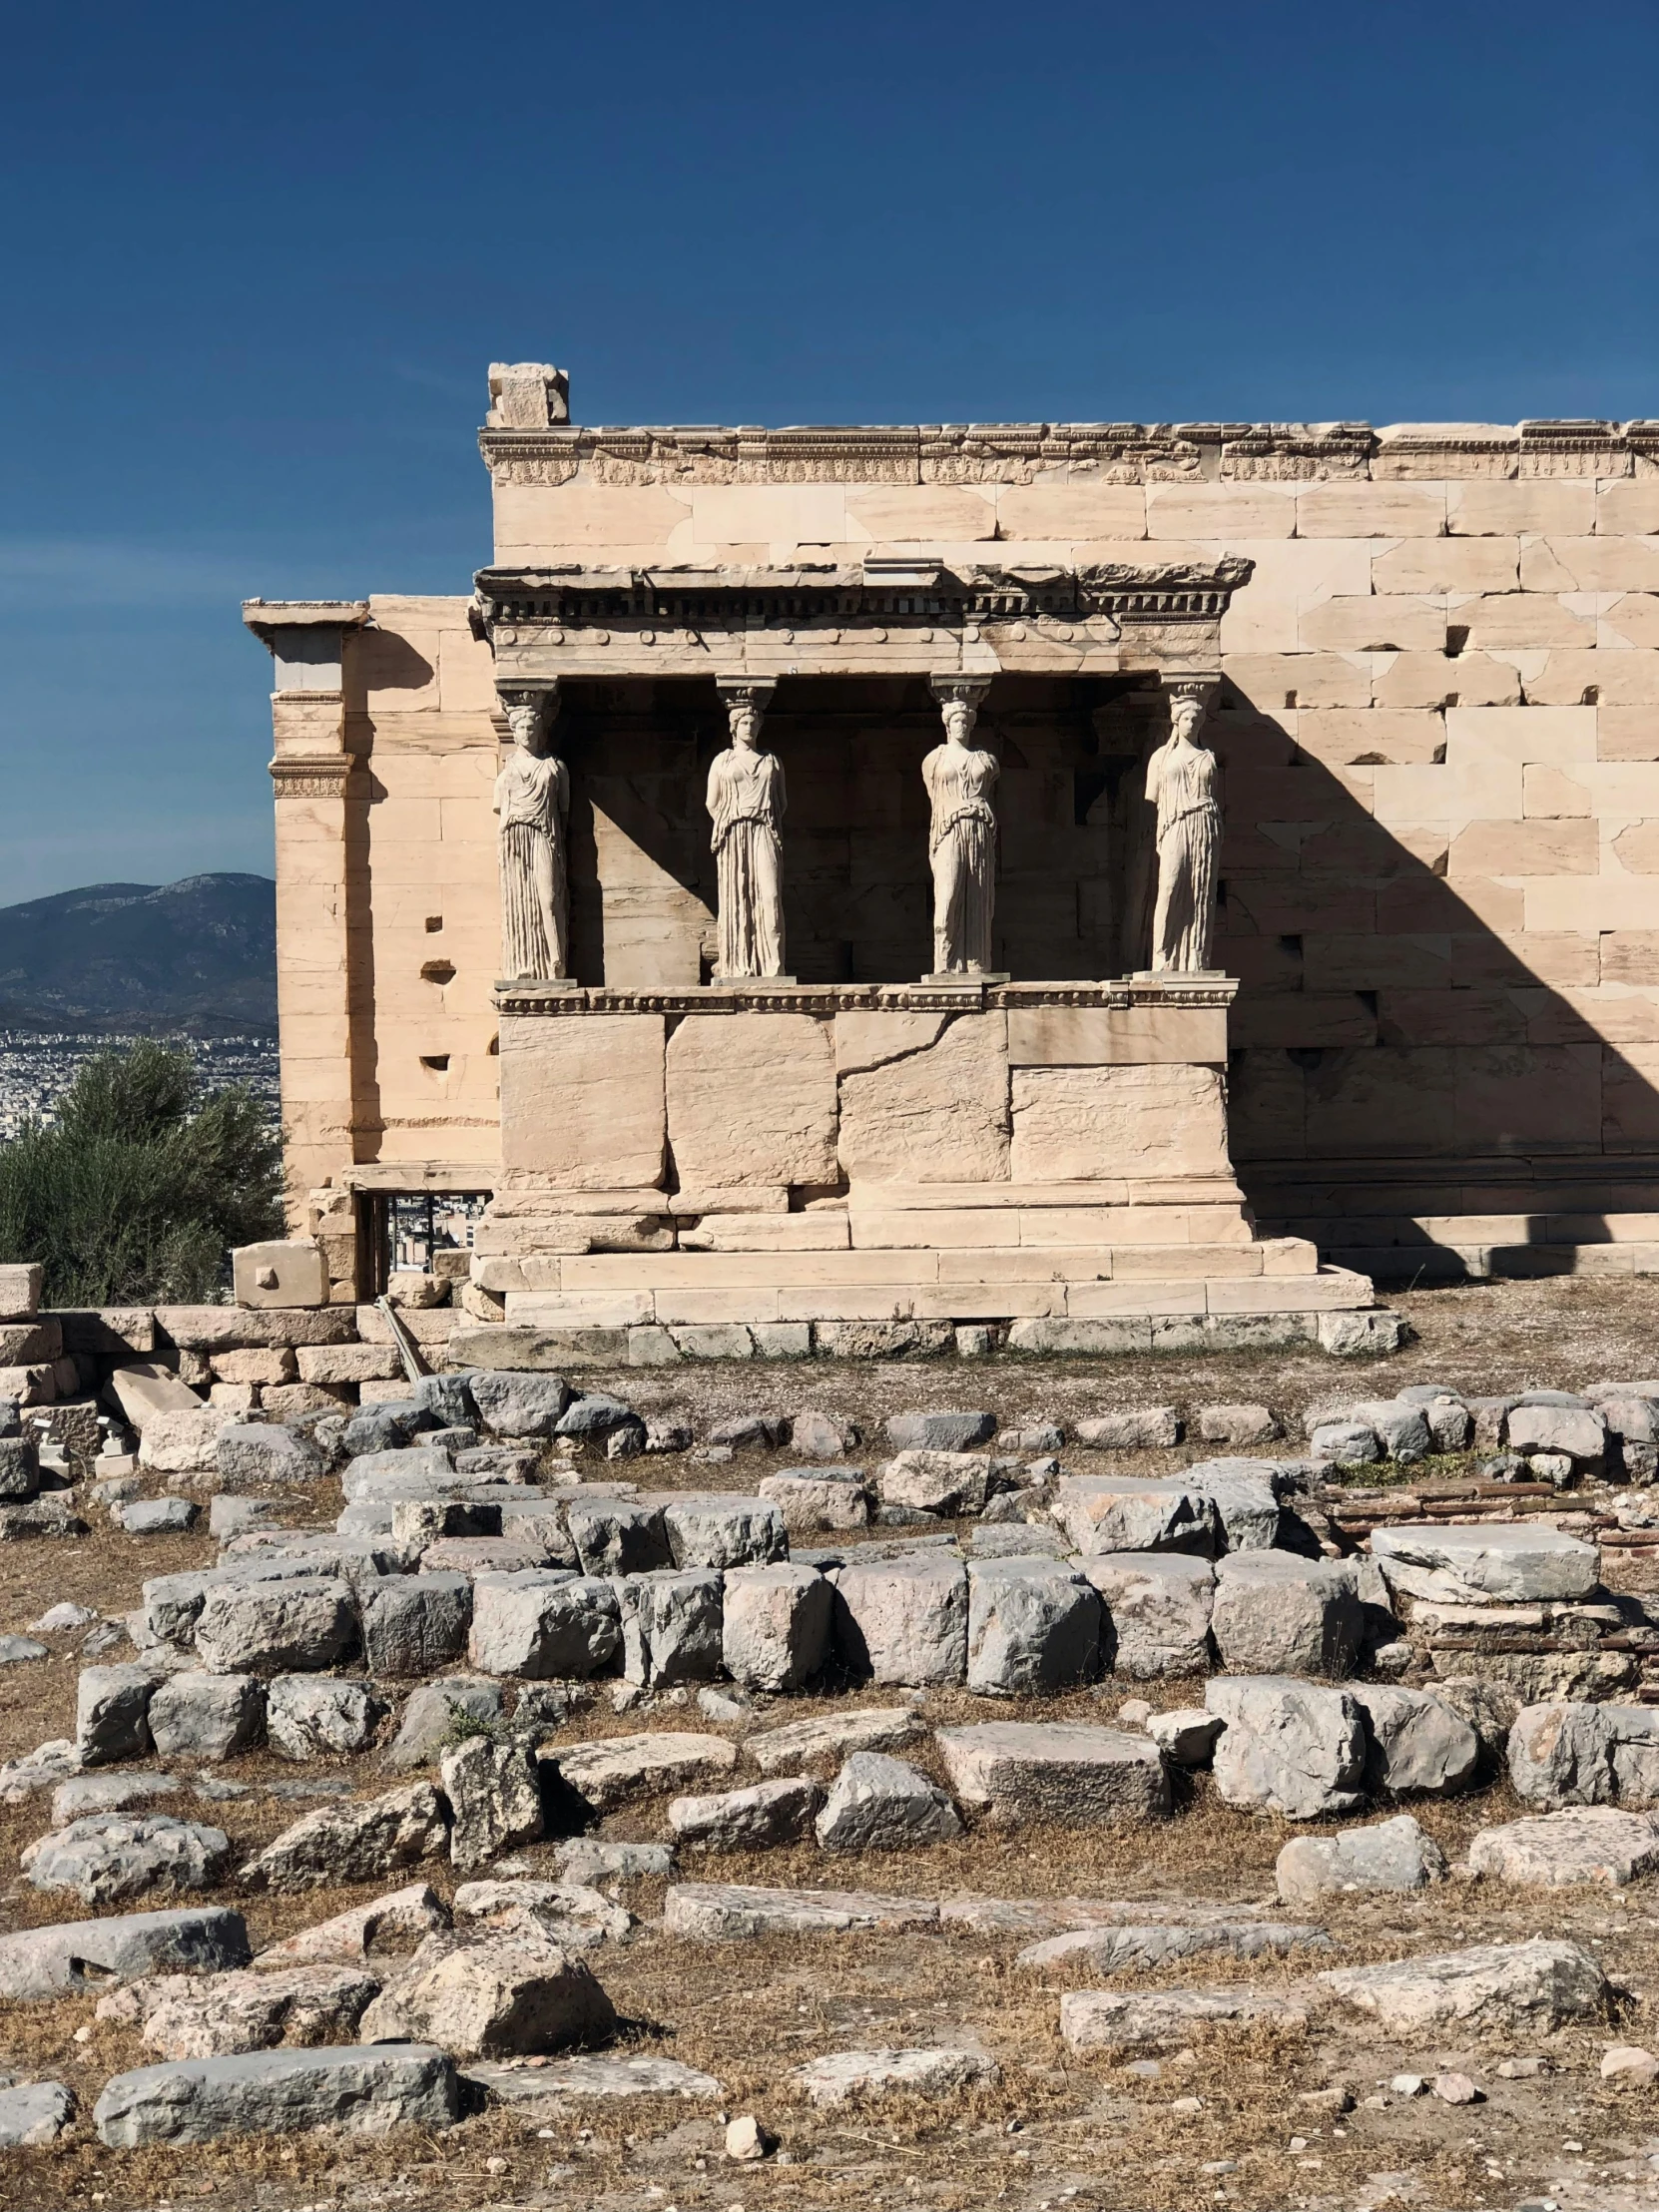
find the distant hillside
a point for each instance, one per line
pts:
(197, 955)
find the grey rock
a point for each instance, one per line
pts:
(1289, 1747)
(411, 1472)
(1246, 1495)
(1157, 1607)
(596, 1858)
(514, 1991)
(276, 1627)
(386, 1426)
(1238, 1425)
(348, 1938)
(946, 1483)
(238, 1516)
(254, 1456)
(358, 2089)
(720, 1912)
(1276, 1613)
(17, 1650)
(429, 1720)
(1591, 1844)
(573, 1915)
(107, 1857)
(447, 1398)
(1149, 1428)
(1350, 1442)
(1034, 1627)
(352, 1842)
(751, 1818)
(1105, 2020)
(19, 1468)
(822, 1435)
(617, 1536)
(1130, 1949)
(763, 1431)
(500, 1465)
(716, 1530)
(1400, 1425)
(904, 1620)
(596, 1414)
(1391, 1855)
(494, 1796)
(584, 2076)
(53, 1962)
(1489, 1707)
(112, 1706)
(940, 1431)
(34, 2114)
(812, 1499)
(812, 1746)
(519, 1405)
(932, 2070)
(415, 1623)
(671, 1627)
(315, 1717)
(1567, 1752)
(663, 1433)
(1508, 1564)
(155, 1516)
(545, 1624)
(1187, 1735)
(109, 1792)
(1012, 1772)
(195, 1715)
(184, 2017)
(1574, 1428)
(1105, 1514)
(1415, 1744)
(1499, 1989)
(614, 1768)
(990, 1539)
(52, 1514)
(775, 1625)
(880, 1804)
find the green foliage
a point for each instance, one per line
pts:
(135, 1194)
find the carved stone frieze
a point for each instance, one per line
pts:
(326, 776)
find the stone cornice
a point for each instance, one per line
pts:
(1109, 453)
(314, 775)
(270, 617)
(968, 997)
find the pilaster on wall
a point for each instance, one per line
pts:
(311, 773)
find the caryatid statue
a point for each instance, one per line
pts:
(745, 802)
(532, 801)
(1183, 781)
(961, 844)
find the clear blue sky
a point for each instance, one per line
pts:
(255, 262)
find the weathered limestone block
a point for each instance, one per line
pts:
(494, 1798)
(438, 1711)
(1566, 1753)
(609, 1771)
(352, 1842)
(719, 1912)
(196, 1715)
(1079, 1124)
(312, 1715)
(1157, 1612)
(813, 1500)
(347, 1939)
(617, 1536)
(933, 2071)
(1034, 1627)
(752, 1100)
(582, 1101)
(188, 2017)
(1150, 1428)
(180, 1442)
(1105, 2020)
(718, 1531)
(1186, 1734)
(751, 1818)
(1289, 1747)
(19, 1468)
(939, 1431)
(670, 1626)
(903, 1621)
(361, 2090)
(276, 1627)
(34, 2114)
(1501, 1989)
(1100, 1950)
(415, 1623)
(519, 1405)
(1584, 1844)
(948, 1484)
(109, 1857)
(811, 1746)
(775, 1625)
(20, 1288)
(1102, 1514)
(1502, 1562)
(112, 1706)
(50, 1962)
(546, 1623)
(1246, 1495)
(1574, 1428)
(1388, 1854)
(1013, 1773)
(1276, 1613)
(924, 1097)
(1415, 1744)
(881, 1803)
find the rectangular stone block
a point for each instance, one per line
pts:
(1102, 1036)
(583, 1100)
(1448, 565)
(1070, 1124)
(751, 1098)
(924, 1097)
(20, 1290)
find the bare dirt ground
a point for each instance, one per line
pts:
(1053, 2132)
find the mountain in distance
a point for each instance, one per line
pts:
(198, 957)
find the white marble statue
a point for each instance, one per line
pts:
(1183, 782)
(961, 846)
(532, 799)
(745, 802)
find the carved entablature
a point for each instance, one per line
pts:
(878, 617)
(1023, 452)
(966, 994)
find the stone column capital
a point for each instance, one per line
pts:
(963, 691)
(1199, 689)
(529, 707)
(744, 690)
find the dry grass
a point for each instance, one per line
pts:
(750, 2011)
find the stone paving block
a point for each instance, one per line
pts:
(1013, 1773)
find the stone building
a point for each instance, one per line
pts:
(1427, 660)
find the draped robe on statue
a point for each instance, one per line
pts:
(1182, 777)
(746, 803)
(963, 850)
(532, 798)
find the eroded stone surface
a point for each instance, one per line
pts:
(361, 2090)
(1388, 1854)
(1532, 1988)
(1014, 1771)
(851, 2074)
(1288, 1747)
(1586, 1843)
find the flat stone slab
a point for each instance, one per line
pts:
(612, 1769)
(588, 2075)
(1387, 1854)
(1531, 1988)
(1591, 1842)
(1018, 1771)
(714, 1911)
(847, 2075)
(34, 2114)
(1105, 2020)
(800, 1747)
(1033, 1917)
(1509, 1562)
(50, 1962)
(1115, 1950)
(360, 2090)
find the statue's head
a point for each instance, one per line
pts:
(746, 726)
(959, 719)
(1184, 719)
(528, 715)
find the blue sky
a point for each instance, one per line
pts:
(254, 262)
